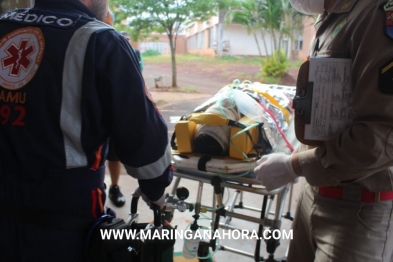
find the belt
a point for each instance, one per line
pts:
(362, 194)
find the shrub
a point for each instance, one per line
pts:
(274, 66)
(268, 79)
(151, 52)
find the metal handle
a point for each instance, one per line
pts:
(156, 211)
(134, 205)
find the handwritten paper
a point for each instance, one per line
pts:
(332, 97)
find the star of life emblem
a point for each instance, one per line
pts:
(20, 56)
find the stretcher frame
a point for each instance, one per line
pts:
(187, 169)
(241, 184)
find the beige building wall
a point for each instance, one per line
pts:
(160, 42)
(205, 45)
(308, 35)
(208, 52)
(202, 39)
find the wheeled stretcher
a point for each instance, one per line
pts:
(236, 173)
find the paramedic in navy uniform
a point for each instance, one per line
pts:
(345, 210)
(63, 92)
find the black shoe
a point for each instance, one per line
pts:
(116, 196)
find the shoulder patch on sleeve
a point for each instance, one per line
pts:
(388, 6)
(386, 78)
(389, 24)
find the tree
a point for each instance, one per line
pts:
(248, 14)
(294, 24)
(275, 18)
(164, 16)
(272, 16)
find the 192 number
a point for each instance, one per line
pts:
(5, 114)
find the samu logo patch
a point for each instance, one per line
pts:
(21, 53)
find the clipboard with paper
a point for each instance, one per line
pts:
(323, 101)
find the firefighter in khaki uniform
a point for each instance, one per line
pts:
(345, 210)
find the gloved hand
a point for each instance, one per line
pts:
(160, 202)
(275, 170)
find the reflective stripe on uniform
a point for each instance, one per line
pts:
(71, 118)
(152, 170)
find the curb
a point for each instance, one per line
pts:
(165, 98)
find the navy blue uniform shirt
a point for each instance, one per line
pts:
(64, 90)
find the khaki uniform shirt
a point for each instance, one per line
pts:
(362, 155)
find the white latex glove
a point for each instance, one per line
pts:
(275, 170)
(160, 202)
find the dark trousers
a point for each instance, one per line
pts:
(78, 193)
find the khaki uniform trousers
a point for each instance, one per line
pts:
(335, 230)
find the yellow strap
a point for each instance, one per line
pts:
(274, 102)
(209, 119)
(386, 68)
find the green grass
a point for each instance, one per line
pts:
(234, 59)
(179, 58)
(184, 58)
(184, 89)
(222, 62)
(190, 90)
(242, 75)
(269, 79)
(173, 90)
(156, 59)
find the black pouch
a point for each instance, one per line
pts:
(109, 248)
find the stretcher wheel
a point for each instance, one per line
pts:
(272, 244)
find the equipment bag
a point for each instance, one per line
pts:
(159, 247)
(110, 249)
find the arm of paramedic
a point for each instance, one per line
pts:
(366, 147)
(138, 130)
(154, 188)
